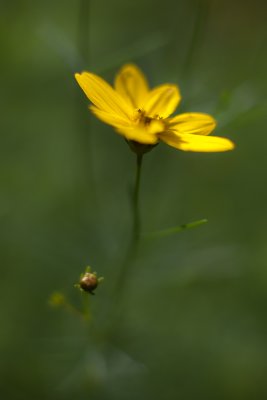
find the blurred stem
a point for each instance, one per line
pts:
(116, 307)
(136, 230)
(83, 117)
(86, 306)
(136, 212)
(83, 33)
(197, 33)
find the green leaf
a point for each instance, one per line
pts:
(175, 229)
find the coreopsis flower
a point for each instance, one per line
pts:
(143, 115)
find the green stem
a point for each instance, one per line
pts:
(115, 312)
(86, 306)
(136, 212)
(136, 230)
(197, 33)
(84, 34)
(83, 116)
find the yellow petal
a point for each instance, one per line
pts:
(132, 85)
(162, 101)
(195, 123)
(139, 134)
(198, 143)
(110, 119)
(156, 126)
(102, 95)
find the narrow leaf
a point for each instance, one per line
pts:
(175, 229)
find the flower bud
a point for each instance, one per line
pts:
(89, 281)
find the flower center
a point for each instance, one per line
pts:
(142, 118)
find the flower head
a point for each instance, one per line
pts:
(142, 115)
(89, 281)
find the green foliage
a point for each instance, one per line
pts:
(193, 311)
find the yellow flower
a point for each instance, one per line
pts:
(142, 115)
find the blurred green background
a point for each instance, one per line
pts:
(195, 322)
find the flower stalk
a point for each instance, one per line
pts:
(143, 116)
(136, 229)
(136, 208)
(84, 30)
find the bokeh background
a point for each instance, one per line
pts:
(194, 323)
